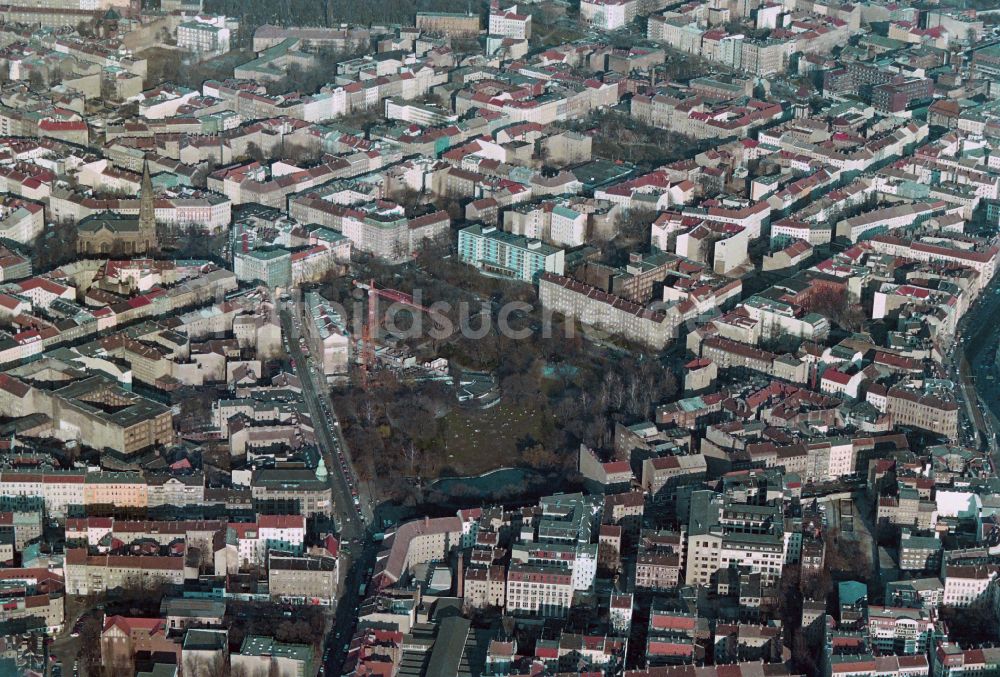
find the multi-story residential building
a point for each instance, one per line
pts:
(282, 532)
(500, 253)
(381, 229)
(538, 590)
(266, 655)
(919, 553)
(122, 637)
(254, 540)
(485, 587)
(454, 24)
(95, 574)
(660, 562)
(877, 222)
(273, 267)
(901, 94)
(925, 593)
(510, 22)
(308, 579)
(567, 226)
(22, 527)
(197, 534)
(58, 491)
(724, 534)
(728, 354)
(96, 410)
(680, 32)
(120, 489)
(812, 233)
(203, 37)
(900, 631)
(950, 660)
(867, 665)
(661, 476)
(671, 637)
(561, 223)
(779, 317)
(561, 537)
(764, 58)
(418, 113)
(981, 259)
(812, 555)
(298, 491)
(931, 408)
(987, 60)
(607, 312)
(21, 220)
(907, 509)
(609, 15)
(33, 594)
(13, 266)
(580, 561)
(168, 490)
(418, 542)
(327, 332)
(656, 571)
(967, 584)
(311, 37)
(696, 117)
(625, 510)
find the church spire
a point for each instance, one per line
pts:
(147, 209)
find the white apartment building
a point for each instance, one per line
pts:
(578, 560)
(761, 553)
(966, 584)
(59, 491)
(778, 318)
(419, 542)
(327, 333)
(889, 218)
(568, 228)
(813, 233)
(22, 222)
(95, 574)
(678, 31)
(539, 590)
(729, 534)
(608, 14)
(421, 114)
(204, 37)
(983, 262)
(510, 23)
(284, 533)
(211, 211)
(842, 458)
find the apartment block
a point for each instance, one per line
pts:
(310, 579)
(453, 24)
(499, 253)
(538, 590)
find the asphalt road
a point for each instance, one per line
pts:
(972, 366)
(357, 545)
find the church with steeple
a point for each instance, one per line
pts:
(112, 234)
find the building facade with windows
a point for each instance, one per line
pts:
(499, 253)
